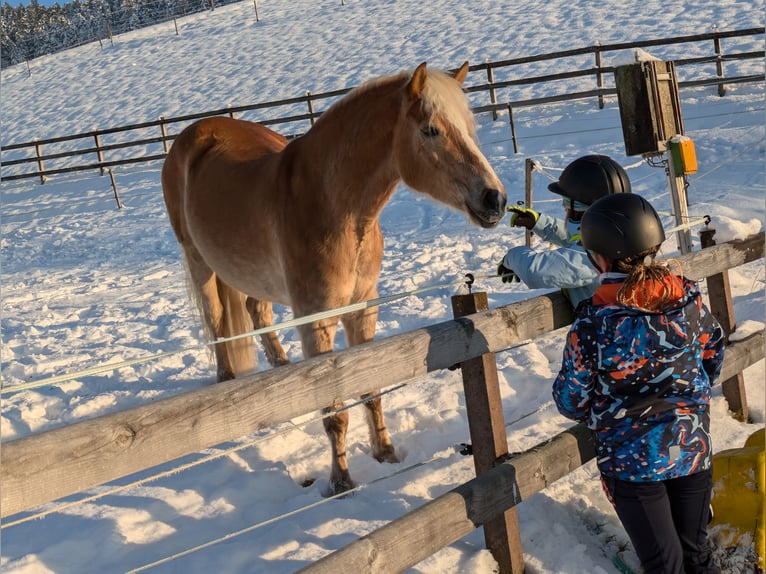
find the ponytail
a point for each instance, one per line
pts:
(644, 275)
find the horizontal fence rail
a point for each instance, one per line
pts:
(150, 141)
(64, 461)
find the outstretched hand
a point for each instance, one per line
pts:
(522, 216)
(507, 275)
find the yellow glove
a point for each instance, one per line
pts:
(522, 216)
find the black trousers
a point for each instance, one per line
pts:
(667, 522)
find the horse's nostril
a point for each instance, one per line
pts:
(494, 200)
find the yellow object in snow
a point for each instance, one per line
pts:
(739, 485)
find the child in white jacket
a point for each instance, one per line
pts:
(582, 182)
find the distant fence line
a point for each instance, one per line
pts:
(150, 145)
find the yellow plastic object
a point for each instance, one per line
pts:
(683, 154)
(739, 485)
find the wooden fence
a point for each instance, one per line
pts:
(149, 141)
(60, 462)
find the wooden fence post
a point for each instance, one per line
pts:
(40, 166)
(492, 93)
(599, 76)
(311, 107)
(719, 294)
(164, 130)
(513, 129)
(99, 153)
(529, 170)
(719, 64)
(114, 188)
(488, 440)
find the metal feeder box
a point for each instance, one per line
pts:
(650, 110)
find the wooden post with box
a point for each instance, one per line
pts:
(650, 111)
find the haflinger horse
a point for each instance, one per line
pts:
(262, 220)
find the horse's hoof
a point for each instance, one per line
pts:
(224, 375)
(386, 454)
(339, 486)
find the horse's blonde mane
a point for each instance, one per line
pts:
(441, 96)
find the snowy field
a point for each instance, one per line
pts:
(84, 284)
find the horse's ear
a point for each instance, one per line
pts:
(461, 73)
(417, 81)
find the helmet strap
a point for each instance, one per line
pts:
(592, 258)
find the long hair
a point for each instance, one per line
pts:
(650, 285)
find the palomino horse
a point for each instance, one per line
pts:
(261, 220)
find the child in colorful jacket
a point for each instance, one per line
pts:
(581, 183)
(638, 365)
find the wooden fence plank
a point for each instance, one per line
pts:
(404, 542)
(63, 461)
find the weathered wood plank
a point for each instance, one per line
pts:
(706, 262)
(404, 542)
(60, 462)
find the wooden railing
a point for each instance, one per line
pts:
(150, 141)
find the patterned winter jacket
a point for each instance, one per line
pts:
(565, 268)
(641, 380)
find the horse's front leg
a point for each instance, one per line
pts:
(316, 339)
(360, 328)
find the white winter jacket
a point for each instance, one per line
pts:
(566, 267)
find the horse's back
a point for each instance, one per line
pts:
(210, 156)
(225, 138)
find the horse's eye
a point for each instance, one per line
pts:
(430, 131)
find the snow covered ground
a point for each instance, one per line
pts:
(84, 283)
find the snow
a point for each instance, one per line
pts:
(85, 284)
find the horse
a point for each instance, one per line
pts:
(264, 220)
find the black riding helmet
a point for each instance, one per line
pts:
(590, 177)
(620, 226)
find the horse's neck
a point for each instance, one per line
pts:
(350, 150)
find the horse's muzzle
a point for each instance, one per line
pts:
(494, 201)
(492, 207)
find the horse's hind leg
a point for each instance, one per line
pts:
(262, 315)
(359, 328)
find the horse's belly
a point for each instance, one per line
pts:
(244, 261)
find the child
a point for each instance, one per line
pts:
(638, 365)
(581, 183)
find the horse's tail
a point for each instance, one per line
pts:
(224, 315)
(235, 320)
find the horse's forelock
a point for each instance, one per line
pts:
(442, 96)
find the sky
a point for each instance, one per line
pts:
(83, 283)
(40, 2)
